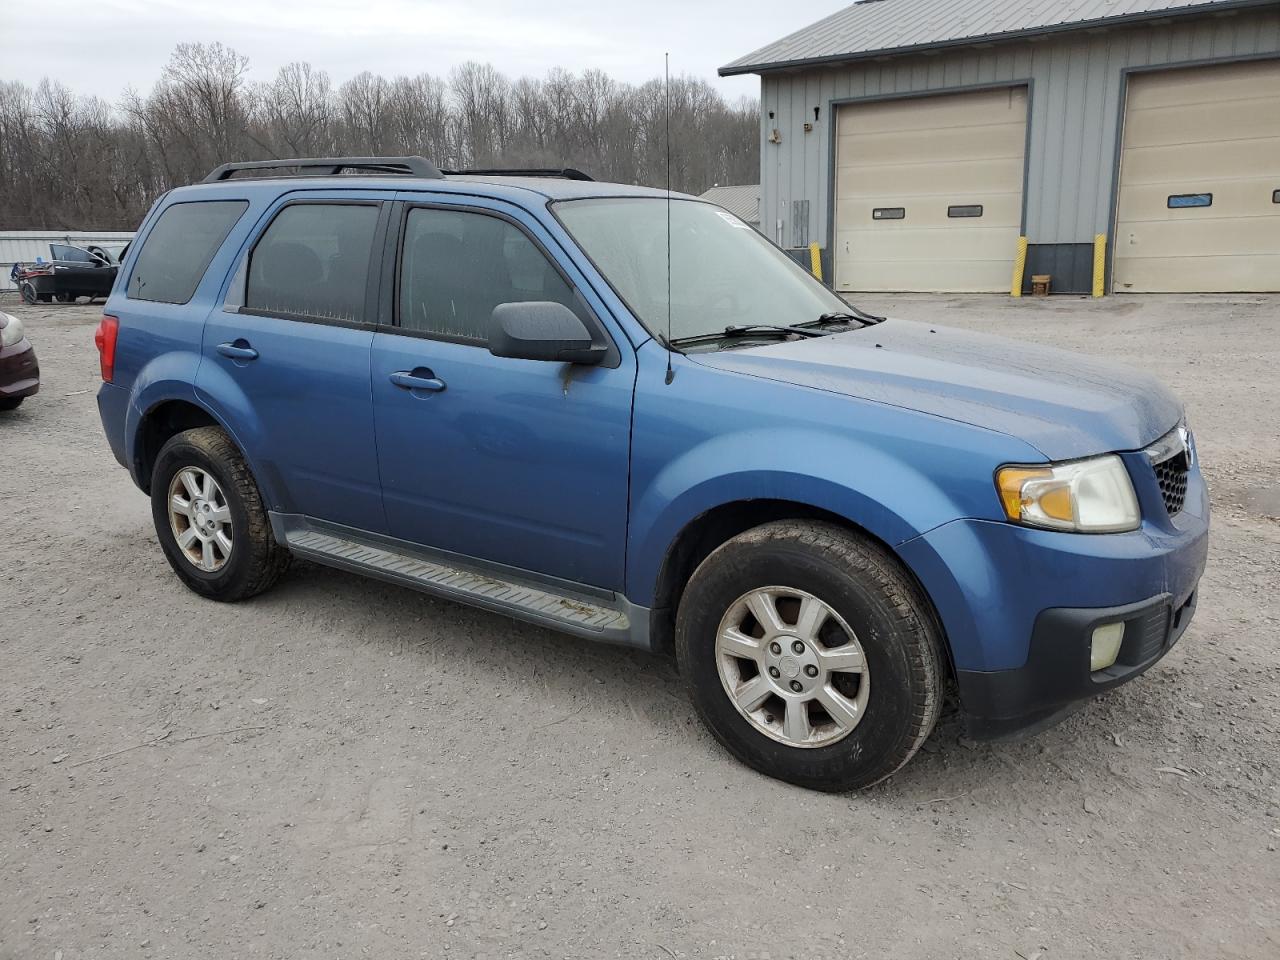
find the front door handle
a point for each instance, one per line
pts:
(419, 379)
(238, 350)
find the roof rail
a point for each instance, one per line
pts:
(562, 173)
(332, 166)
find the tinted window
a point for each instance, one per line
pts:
(70, 254)
(458, 266)
(313, 261)
(179, 247)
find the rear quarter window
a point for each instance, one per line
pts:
(180, 247)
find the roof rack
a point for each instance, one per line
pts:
(563, 173)
(332, 166)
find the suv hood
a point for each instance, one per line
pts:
(1063, 404)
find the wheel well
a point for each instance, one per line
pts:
(160, 424)
(706, 533)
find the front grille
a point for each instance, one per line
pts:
(1172, 477)
(1170, 458)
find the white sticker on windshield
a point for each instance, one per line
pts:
(732, 221)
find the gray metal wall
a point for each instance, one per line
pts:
(1077, 87)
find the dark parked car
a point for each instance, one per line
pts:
(19, 372)
(73, 272)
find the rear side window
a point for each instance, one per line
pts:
(313, 262)
(457, 266)
(179, 248)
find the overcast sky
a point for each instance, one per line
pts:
(103, 46)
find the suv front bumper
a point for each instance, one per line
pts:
(1019, 607)
(1056, 678)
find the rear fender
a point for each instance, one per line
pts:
(171, 377)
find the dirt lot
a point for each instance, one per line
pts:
(347, 769)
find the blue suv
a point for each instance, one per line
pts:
(628, 416)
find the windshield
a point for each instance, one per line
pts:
(723, 273)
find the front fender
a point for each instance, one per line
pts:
(707, 437)
(891, 499)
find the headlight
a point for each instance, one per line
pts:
(1087, 496)
(11, 332)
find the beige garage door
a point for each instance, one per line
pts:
(1199, 209)
(929, 192)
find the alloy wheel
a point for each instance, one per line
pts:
(200, 518)
(792, 667)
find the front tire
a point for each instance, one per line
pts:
(210, 518)
(811, 655)
(11, 403)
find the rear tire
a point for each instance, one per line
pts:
(874, 656)
(210, 518)
(11, 403)
(28, 292)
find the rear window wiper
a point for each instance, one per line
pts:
(754, 329)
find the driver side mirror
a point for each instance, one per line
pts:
(542, 331)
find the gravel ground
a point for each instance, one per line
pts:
(346, 769)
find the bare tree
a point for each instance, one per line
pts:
(71, 161)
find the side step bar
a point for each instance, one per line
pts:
(606, 617)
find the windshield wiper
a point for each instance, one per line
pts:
(853, 315)
(748, 331)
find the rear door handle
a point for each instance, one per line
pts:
(238, 350)
(419, 379)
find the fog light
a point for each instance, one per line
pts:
(1106, 646)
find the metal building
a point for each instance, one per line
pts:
(742, 201)
(917, 140)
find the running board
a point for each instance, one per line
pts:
(442, 575)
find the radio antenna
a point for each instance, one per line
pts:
(671, 373)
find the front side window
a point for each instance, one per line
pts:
(179, 249)
(69, 254)
(722, 273)
(313, 262)
(458, 265)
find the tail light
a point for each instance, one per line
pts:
(105, 338)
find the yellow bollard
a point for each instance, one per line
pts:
(1100, 265)
(1019, 268)
(815, 260)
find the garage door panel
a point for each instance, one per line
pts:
(1251, 274)
(1254, 158)
(979, 142)
(966, 178)
(998, 210)
(1246, 199)
(1204, 123)
(1209, 130)
(928, 276)
(926, 244)
(935, 114)
(1229, 236)
(1193, 85)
